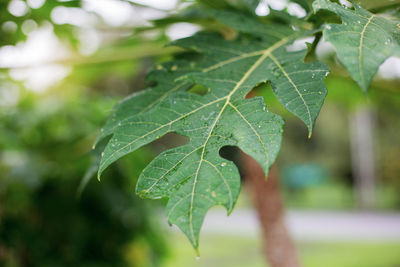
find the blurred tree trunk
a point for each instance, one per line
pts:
(363, 156)
(278, 246)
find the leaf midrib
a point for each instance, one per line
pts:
(360, 49)
(266, 53)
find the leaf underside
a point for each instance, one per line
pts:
(363, 41)
(194, 177)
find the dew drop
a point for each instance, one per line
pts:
(328, 27)
(358, 21)
(264, 108)
(223, 164)
(102, 154)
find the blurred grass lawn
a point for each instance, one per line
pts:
(337, 196)
(220, 251)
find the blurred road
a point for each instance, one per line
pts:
(312, 225)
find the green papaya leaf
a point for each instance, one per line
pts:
(363, 41)
(194, 177)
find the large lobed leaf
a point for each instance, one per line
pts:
(363, 41)
(194, 177)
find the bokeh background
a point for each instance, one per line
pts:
(65, 64)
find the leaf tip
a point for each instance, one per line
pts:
(364, 85)
(364, 88)
(98, 139)
(141, 193)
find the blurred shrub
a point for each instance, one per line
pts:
(44, 142)
(49, 226)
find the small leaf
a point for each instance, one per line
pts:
(363, 41)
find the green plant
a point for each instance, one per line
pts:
(250, 51)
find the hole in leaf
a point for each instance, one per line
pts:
(238, 157)
(198, 89)
(299, 44)
(256, 91)
(329, 17)
(232, 153)
(168, 141)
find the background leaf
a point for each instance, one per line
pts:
(363, 41)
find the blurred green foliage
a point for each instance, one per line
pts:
(45, 143)
(48, 226)
(42, 221)
(13, 32)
